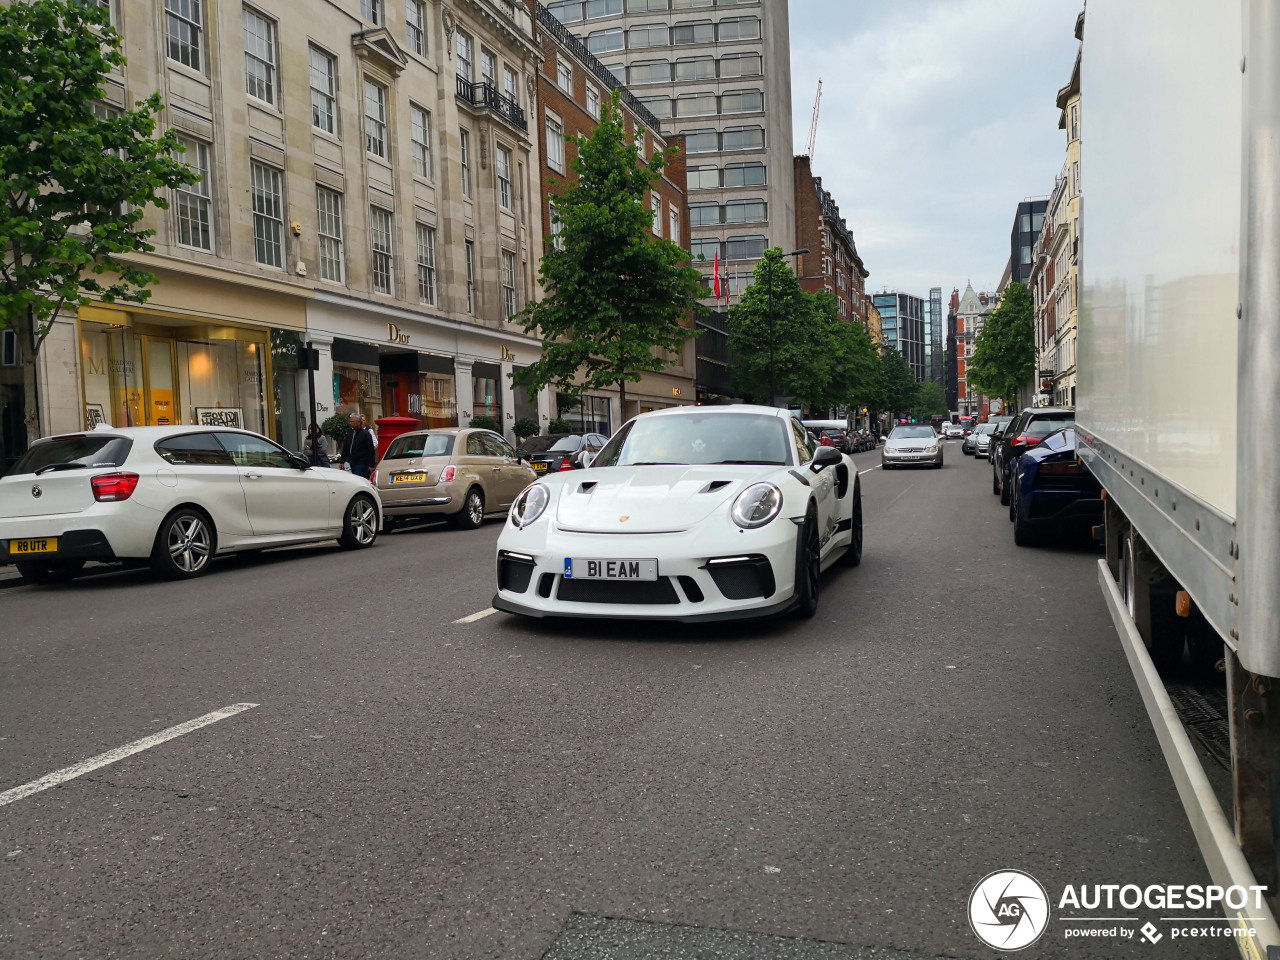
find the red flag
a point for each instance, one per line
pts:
(716, 270)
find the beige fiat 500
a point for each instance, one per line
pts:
(461, 473)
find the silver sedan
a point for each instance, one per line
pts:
(912, 446)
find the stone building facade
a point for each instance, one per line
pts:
(832, 263)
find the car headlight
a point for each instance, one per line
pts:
(757, 505)
(530, 505)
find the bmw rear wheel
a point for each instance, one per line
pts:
(359, 523)
(808, 566)
(184, 545)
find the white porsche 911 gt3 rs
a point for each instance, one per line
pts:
(687, 514)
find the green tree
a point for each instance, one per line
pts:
(795, 346)
(618, 299)
(1004, 356)
(856, 374)
(525, 427)
(899, 383)
(931, 400)
(77, 185)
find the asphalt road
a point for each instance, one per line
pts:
(410, 786)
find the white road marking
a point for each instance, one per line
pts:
(119, 753)
(489, 612)
(863, 473)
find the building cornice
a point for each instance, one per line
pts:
(383, 311)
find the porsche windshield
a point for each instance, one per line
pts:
(698, 438)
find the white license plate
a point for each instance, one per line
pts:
(578, 569)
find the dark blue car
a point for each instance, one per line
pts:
(1053, 494)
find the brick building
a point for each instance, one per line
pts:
(572, 84)
(833, 263)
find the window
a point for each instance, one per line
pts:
(643, 6)
(420, 140)
(704, 248)
(655, 205)
(746, 248)
(415, 26)
(8, 348)
(469, 248)
(426, 263)
(268, 217)
(504, 178)
(703, 178)
(696, 68)
(593, 102)
(508, 284)
(380, 240)
(1075, 121)
(701, 141)
(696, 105)
(249, 451)
(259, 57)
(556, 227)
(371, 10)
(673, 224)
(742, 101)
(555, 144)
(201, 449)
(603, 8)
(602, 41)
(744, 175)
(648, 35)
(375, 119)
(748, 211)
(1024, 223)
(184, 32)
(741, 65)
(1037, 221)
(658, 106)
(650, 71)
(511, 84)
(701, 214)
(1026, 255)
(744, 28)
(564, 77)
(566, 11)
(488, 68)
(619, 72)
(329, 218)
(698, 31)
(195, 225)
(464, 161)
(743, 138)
(465, 59)
(324, 90)
(1075, 178)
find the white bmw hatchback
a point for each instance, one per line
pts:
(687, 514)
(174, 496)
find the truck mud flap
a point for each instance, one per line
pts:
(1214, 833)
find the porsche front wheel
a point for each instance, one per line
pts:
(853, 556)
(808, 566)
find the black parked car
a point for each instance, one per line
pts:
(1052, 491)
(1026, 430)
(551, 454)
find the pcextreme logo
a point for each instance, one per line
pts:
(1008, 910)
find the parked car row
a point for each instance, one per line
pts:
(835, 433)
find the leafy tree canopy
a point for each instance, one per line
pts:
(1004, 356)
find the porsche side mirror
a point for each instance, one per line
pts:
(587, 457)
(825, 457)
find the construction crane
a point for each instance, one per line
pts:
(813, 126)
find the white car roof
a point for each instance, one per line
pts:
(717, 410)
(156, 433)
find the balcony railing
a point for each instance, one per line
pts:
(485, 94)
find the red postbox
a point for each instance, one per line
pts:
(391, 427)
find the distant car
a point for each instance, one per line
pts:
(561, 451)
(458, 473)
(175, 496)
(981, 438)
(1024, 431)
(912, 446)
(952, 430)
(998, 425)
(836, 438)
(1053, 494)
(970, 442)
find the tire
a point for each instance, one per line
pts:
(808, 566)
(1004, 490)
(48, 572)
(472, 513)
(359, 523)
(1023, 536)
(185, 543)
(853, 556)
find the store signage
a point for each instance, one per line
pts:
(675, 392)
(220, 417)
(395, 336)
(506, 354)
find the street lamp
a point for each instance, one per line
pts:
(773, 390)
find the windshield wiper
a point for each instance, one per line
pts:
(61, 466)
(762, 463)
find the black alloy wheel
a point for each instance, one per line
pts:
(808, 566)
(853, 556)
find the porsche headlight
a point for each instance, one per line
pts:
(530, 505)
(757, 505)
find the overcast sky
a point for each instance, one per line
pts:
(938, 117)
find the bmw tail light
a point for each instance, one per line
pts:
(109, 487)
(449, 472)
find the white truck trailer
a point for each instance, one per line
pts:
(1179, 383)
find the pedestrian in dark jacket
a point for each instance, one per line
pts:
(358, 450)
(316, 448)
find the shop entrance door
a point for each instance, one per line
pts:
(161, 401)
